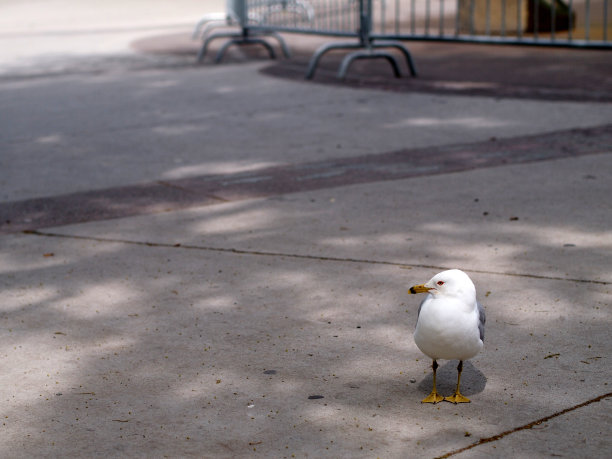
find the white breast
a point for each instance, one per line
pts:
(446, 329)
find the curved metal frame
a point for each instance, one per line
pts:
(366, 51)
(244, 37)
(367, 46)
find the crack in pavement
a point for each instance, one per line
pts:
(525, 426)
(300, 256)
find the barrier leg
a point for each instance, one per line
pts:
(244, 41)
(316, 57)
(368, 54)
(243, 38)
(281, 42)
(211, 37)
(402, 48)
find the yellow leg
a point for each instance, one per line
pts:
(434, 397)
(457, 397)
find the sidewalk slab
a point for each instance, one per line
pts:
(227, 342)
(119, 349)
(558, 436)
(548, 219)
(280, 326)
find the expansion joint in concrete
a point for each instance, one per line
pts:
(525, 426)
(304, 256)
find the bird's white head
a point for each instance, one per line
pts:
(452, 282)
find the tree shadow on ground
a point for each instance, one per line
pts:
(168, 348)
(157, 333)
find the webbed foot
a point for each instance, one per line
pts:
(434, 397)
(457, 398)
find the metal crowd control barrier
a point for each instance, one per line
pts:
(563, 23)
(340, 18)
(237, 14)
(378, 24)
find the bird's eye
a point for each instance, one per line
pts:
(440, 282)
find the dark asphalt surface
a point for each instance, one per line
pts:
(529, 72)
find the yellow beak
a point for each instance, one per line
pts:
(418, 289)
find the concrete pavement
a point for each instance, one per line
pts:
(276, 323)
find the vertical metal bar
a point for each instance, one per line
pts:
(366, 23)
(587, 20)
(345, 11)
(427, 17)
(503, 18)
(241, 9)
(570, 20)
(412, 15)
(605, 19)
(553, 19)
(321, 17)
(457, 9)
(472, 9)
(359, 16)
(488, 18)
(333, 14)
(383, 14)
(397, 16)
(536, 19)
(519, 19)
(441, 20)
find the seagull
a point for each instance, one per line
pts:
(450, 325)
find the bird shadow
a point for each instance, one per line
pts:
(473, 381)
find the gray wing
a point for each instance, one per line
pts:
(481, 319)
